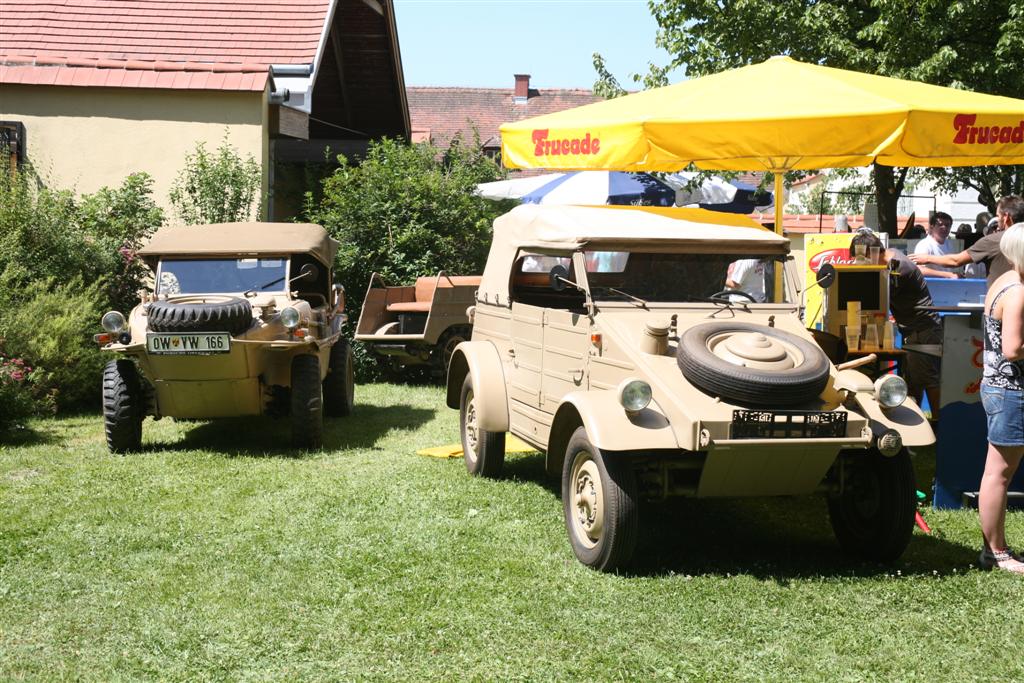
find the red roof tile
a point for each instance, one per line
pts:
(444, 112)
(156, 43)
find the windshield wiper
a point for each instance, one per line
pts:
(625, 294)
(254, 290)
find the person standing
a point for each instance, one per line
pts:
(1009, 210)
(1002, 393)
(747, 275)
(936, 243)
(908, 298)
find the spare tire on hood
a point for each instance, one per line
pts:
(752, 364)
(201, 313)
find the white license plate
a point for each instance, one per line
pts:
(195, 344)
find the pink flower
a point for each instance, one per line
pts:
(18, 375)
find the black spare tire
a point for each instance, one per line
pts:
(769, 382)
(201, 313)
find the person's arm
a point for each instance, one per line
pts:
(1013, 324)
(737, 271)
(932, 272)
(948, 260)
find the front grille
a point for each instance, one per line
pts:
(787, 424)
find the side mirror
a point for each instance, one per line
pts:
(826, 276)
(558, 276)
(307, 272)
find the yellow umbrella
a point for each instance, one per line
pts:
(778, 115)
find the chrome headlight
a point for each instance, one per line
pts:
(634, 394)
(891, 391)
(113, 321)
(290, 317)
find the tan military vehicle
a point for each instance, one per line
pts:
(417, 325)
(244, 320)
(606, 337)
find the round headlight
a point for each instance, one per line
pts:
(290, 317)
(634, 394)
(891, 391)
(112, 321)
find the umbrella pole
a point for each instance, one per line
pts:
(778, 173)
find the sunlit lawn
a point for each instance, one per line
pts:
(218, 555)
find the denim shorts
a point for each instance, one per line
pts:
(1005, 411)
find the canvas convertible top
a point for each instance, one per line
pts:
(635, 228)
(242, 239)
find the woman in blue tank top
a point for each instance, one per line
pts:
(1002, 393)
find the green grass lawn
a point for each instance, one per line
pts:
(218, 555)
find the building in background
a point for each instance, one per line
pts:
(439, 114)
(92, 90)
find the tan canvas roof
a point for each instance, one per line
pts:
(533, 226)
(249, 239)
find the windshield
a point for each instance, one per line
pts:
(676, 277)
(211, 276)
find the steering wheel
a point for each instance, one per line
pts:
(726, 293)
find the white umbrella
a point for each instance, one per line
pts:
(516, 187)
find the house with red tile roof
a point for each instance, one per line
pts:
(91, 90)
(439, 114)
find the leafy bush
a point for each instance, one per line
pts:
(46, 233)
(17, 402)
(407, 211)
(221, 187)
(51, 323)
(63, 262)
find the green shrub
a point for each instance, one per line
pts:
(46, 233)
(407, 211)
(17, 395)
(50, 325)
(221, 187)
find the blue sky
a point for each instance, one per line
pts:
(484, 42)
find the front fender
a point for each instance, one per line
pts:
(481, 361)
(906, 419)
(610, 427)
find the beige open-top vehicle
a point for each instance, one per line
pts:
(417, 325)
(606, 337)
(244, 320)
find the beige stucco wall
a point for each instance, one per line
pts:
(86, 138)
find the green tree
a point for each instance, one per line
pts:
(406, 211)
(970, 44)
(218, 187)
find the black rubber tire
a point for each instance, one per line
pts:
(751, 386)
(307, 402)
(873, 518)
(487, 458)
(217, 314)
(123, 406)
(340, 382)
(441, 356)
(614, 547)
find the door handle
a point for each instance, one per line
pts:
(577, 375)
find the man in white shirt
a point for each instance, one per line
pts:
(747, 275)
(936, 243)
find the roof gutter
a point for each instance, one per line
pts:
(291, 84)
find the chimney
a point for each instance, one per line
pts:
(522, 91)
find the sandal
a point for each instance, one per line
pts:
(1007, 560)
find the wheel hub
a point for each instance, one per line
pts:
(472, 434)
(753, 350)
(588, 499)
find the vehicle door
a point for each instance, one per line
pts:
(531, 293)
(566, 342)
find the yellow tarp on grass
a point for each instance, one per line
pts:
(512, 445)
